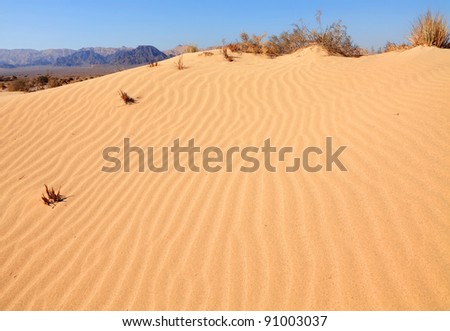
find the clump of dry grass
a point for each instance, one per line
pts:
(390, 47)
(179, 63)
(52, 197)
(126, 98)
(430, 30)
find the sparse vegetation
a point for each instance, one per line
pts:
(179, 63)
(251, 44)
(390, 47)
(192, 48)
(334, 38)
(126, 98)
(36, 83)
(430, 30)
(52, 197)
(7, 78)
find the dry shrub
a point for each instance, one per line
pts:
(126, 98)
(192, 48)
(334, 38)
(52, 197)
(179, 63)
(430, 30)
(288, 41)
(20, 84)
(251, 44)
(153, 64)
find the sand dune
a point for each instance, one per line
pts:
(374, 237)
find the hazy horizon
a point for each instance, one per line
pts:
(66, 24)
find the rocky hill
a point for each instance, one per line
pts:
(82, 57)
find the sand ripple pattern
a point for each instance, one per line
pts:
(375, 237)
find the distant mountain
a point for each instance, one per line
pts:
(139, 55)
(6, 65)
(27, 57)
(175, 51)
(82, 57)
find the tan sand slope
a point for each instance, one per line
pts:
(375, 237)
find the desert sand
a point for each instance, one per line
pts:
(376, 237)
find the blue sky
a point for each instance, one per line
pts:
(165, 24)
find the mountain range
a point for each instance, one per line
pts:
(82, 57)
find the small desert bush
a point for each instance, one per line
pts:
(153, 64)
(52, 197)
(126, 98)
(335, 40)
(20, 84)
(430, 30)
(179, 63)
(192, 48)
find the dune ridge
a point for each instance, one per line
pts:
(376, 237)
